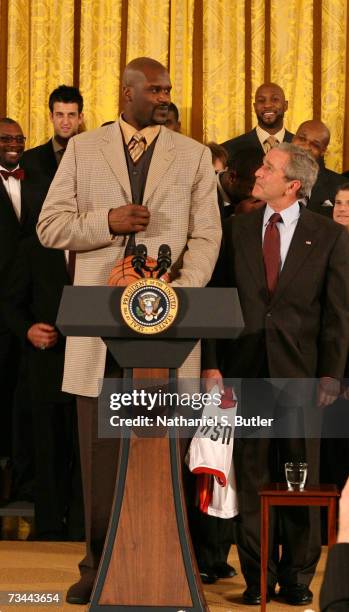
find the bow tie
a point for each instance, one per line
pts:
(17, 174)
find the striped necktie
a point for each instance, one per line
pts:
(136, 146)
(270, 143)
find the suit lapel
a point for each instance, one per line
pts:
(255, 142)
(6, 205)
(251, 245)
(163, 156)
(112, 148)
(302, 244)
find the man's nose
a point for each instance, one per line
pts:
(165, 96)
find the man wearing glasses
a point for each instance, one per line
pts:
(14, 214)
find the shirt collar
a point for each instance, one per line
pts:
(289, 215)
(220, 188)
(150, 132)
(57, 147)
(263, 135)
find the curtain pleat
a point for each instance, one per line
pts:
(100, 63)
(291, 59)
(224, 69)
(334, 41)
(40, 57)
(148, 29)
(181, 58)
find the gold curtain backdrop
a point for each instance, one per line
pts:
(217, 52)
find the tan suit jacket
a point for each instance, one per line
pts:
(92, 178)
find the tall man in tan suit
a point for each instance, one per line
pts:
(92, 207)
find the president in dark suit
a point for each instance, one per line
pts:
(270, 107)
(291, 268)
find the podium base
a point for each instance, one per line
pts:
(148, 561)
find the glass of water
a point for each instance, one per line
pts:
(296, 475)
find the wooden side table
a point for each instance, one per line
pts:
(277, 494)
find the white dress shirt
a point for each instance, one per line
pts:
(286, 228)
(13, 188)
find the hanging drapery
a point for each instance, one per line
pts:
(217, 53)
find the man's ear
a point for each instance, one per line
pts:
(127, 93)
(294, 186)
(232, 175)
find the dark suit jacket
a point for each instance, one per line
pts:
(334, 595)
(304, 330)
(325, 189)
(249, 140)
(31, 295)
(40, 166)
(12, 230)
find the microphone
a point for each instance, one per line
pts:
(139, 259)
(164, 259)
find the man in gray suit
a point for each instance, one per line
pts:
(134, 177)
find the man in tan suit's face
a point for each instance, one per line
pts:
(146, 93)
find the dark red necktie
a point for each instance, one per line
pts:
(17, 174)
(271, 252)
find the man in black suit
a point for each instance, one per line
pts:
(15, 221)
(314, 136)
(235, 184)
(40, 163)
(172, 121)
(291, 269)
(30, 303)
(270, 106)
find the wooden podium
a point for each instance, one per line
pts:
(148, 561)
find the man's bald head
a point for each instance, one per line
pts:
(137, 68)
(270, 86)
(314, 136)
(146, 89)
(270, 106)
